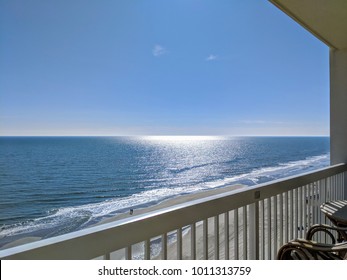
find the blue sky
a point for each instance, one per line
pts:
(183, 67)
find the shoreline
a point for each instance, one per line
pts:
(170, 202)
(161, 205)
(138, 249)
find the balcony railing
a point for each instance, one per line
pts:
(248, 223)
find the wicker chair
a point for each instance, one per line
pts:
(307, 249)
(301, 249)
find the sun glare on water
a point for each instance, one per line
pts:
(180, 138)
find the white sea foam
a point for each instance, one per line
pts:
(73, 218)
(279, 171)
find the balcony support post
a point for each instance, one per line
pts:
(338, 112)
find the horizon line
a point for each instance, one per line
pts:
(165, 135)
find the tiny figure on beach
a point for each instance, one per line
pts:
(131, 211)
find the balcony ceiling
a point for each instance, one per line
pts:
(326, 19)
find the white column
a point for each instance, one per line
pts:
(338, 107)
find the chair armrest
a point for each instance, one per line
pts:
(327, 229)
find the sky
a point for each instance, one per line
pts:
(183, 67)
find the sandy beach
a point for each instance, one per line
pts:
(167, 203)
(137, 249)
(172, 201)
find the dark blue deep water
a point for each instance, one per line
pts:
(54, 185)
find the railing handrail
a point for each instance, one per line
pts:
(99, 240)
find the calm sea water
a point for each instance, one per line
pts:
(54, 185)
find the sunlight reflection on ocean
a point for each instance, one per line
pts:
(55, 185)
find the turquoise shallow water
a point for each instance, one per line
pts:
(54, 185)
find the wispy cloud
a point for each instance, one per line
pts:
(159, 50)
(211, 57)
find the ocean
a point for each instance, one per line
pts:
(54, 185)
